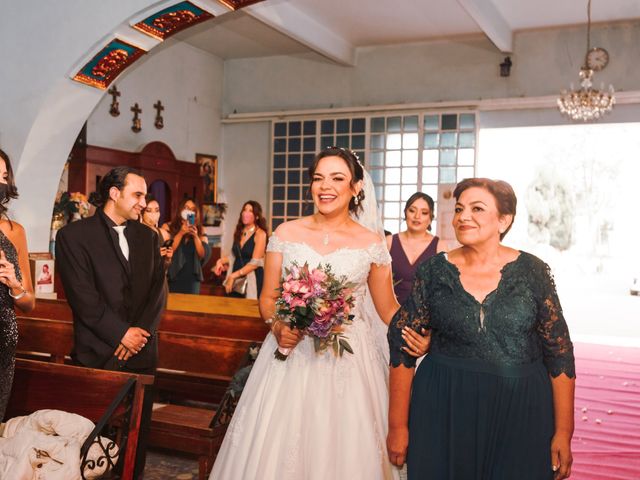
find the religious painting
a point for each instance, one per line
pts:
(209, 176)
(108, 63)
(171, 20)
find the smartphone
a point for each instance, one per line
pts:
(167, 243)
(191, 218)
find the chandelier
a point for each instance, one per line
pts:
(588, 103)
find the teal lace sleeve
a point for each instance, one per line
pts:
(557, 347)
(414, 313)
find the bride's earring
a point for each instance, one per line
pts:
(356, 200)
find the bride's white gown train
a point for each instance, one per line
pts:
(315, 416)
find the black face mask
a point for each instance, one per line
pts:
(4, 189)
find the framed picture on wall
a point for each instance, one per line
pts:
(209, 175)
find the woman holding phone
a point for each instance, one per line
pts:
(150, 217)
(190, 248)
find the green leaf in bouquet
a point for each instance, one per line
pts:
(344, 344)
(316, 344)
(335, 346)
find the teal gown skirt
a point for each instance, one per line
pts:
(471, 420)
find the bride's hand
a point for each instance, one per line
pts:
(286, 337)
(417, 345)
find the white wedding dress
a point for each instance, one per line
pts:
(316, 416)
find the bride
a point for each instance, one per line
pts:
(316, 416)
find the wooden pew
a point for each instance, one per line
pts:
(86, 392)
(211, 316)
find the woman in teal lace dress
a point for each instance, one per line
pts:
(493, 400)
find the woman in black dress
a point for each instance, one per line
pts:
(249, 247)
(494, 398)
(15, 281)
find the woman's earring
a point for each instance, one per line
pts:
(356, 200)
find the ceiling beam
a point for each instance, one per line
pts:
(291, 21)
(491, 21)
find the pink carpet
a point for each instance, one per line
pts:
(606, 443)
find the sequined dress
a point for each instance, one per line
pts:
(315, 416)
(8, 328)
(481, 404)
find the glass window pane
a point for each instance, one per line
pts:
(411, 123)
(278, 177)
(326, 142)
(293, 193)
(293, 209)
(431, 122)
(280, 145)
(357, 142)
(276, 222)
(279, 161)
(467, 139)
(378, 189)
(410, 175)
(294, 161)
(377, 141)
(448, 175)
(342, 141)
(295, 128)
(295, 144)
(465, 172)
(466, 156)
(278, 209)
(394, 124)
(394, 141)
(393, 158)
(376, 159)
(293, 176)
(377, 124)
(407, 191)
(447, 157)
(392, 175)
(342, 126)
(280, 129)
(391, 193)
(309, 127)
(326, 126)
(392, 209)
(309, 144)
(449, 121)
(278, 193)
(358, 125)
(467, 121)
(449, 140)
(430, 175)
(307, 159)
(410, 140)
(377, 175)
(410, 158)
(392, 225)
(430, 157)
(431, 190)
(431, 140)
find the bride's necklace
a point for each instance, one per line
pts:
(249, 231)
(325, 235)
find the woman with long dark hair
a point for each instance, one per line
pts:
(190, 248)
(249, 245)
(15, 281)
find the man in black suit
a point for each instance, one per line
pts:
(114, 280)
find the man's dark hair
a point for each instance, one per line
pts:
(115, 178)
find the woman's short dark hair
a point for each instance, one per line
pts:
(116, 177)
(12, 190)
(503, 193)
(354, 165)
(426, 198)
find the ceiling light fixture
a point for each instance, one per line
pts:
(588, 103)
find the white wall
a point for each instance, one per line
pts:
(544, 62)
(244, 171)
(188, 81)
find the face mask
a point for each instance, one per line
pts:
(153, 218)
(247, 217)
(185, 213)
(4, 188)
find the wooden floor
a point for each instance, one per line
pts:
(166, 465)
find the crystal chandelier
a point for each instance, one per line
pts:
(588, 103)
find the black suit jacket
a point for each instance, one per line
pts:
(108, 294)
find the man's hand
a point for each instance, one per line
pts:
(133, 341)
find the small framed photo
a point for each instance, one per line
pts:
(43, 271)
(209, 176)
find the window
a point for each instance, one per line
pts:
(403, 153)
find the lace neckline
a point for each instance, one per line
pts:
(506, 268)
(340, 249)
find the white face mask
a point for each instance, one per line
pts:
(185, 213)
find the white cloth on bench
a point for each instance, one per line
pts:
(46, 446)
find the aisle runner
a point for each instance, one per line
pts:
(606, 443)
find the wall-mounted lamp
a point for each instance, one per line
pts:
(505, 67)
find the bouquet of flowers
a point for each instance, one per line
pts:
(318, 303)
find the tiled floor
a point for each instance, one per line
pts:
(166, 465)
